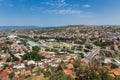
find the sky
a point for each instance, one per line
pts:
(59, 12)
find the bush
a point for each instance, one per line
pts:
(113, 66)
(15, 59)
(92, 39)
(32, 56)
(81, 54)
(27, 76)
(86, 50)
(88, 46)
(5, 65)
(11, 75)
(9, 59)
(36, 48)
(102, 44)
(60, 75)
(46, 73)
(0, 58)
(80, 47)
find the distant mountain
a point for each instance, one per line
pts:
(18, 27)
(26, 27)
(32, 27)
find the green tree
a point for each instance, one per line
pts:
(5, 65)
(92, 38)
(77, 63)
(36, 48)
(5, 49)
(47, 73)
(32, 56)
(47, 49)
(81, 55)
(88, 46)
(113, 66)
(54, 50)
(117, 78)
(15, 58)
(0, 58)
(11, 75)
(60, 75)
(80, 47)
(9, 59)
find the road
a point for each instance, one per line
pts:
(91, 54)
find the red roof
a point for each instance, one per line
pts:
(5, 72)
(68, 72)
(115, 72)
(47, 53)
(70, 66)
(24, 62)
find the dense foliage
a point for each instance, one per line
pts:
(60, 75)
(32, 56)
(102, 44)
(36, 48)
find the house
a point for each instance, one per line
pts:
(115, 72)
(70, 66)
(19, 66)
(1, 64)
(70, 73)
(5, 73)
(31, 62)
(47, 54)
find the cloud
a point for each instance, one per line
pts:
(58, 3)
(64, 11)
(60, 7)
(87, 6)
(54, 4)
(62, 1)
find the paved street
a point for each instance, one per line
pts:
(91, 54)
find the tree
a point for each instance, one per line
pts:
(54, 50)
(11, 75)
(113, 66)
(64, 49)
(27, 77)
(90, 72)
(60, 75)
(47, 73)
(47, 49)
(9, 59)
(32, 56)
(0, 58)
(36, 48)
(102, 44)
(8, 42)
(82, 41)
(5, 65)
(15, 58)
(80, 47)
(5, 49)
(81, 55)
(77, 63)
(92, 38)
(88, 46)
(117, 78)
